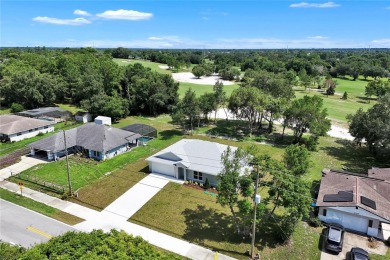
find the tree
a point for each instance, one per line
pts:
(246, 103)
(207, 104)
(296, 159)
(102, 104)
(374, 127)
(306, 114)
(229, 186)
(377, 88)
(95, 245)
(190, 106)
(219, 96)
(330, 86)
(198, 71)
(345, 95)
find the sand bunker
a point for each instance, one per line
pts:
(164, 67)
(190, 78)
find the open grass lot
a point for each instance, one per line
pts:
(201, 89)
(6, 148)
(188, 213)
(39, 207)
(337, 108)
(71, 108)
(380, 257)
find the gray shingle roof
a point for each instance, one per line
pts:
(12, 124)
(197, 155)
(91, 136)
(376, 189)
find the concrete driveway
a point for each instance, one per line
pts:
(25, 163)
(352, 240)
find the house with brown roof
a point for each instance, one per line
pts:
(361, 203)
(15, 128)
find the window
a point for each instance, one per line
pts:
(46, 127)
(96, 154)
(31, 130)
(370, 223)
(198, 175)
(19, 134)
(324, 212)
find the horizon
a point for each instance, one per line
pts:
(148, 24)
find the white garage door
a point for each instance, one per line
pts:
(163, 169)
(348, 221)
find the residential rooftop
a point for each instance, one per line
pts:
(343, 189)
(12, 124)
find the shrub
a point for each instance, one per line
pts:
(15, 108)
(207, 184)
(315, 222)
(311, 143)
(40, 134)
(345, 95)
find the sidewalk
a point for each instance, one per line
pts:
(24, 164)
(107, 220)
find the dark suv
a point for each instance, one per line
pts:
(359, 254)
(334, 238)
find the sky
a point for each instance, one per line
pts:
(218, 24)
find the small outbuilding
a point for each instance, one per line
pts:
(47, 113)
(83, 117)
(103, 120)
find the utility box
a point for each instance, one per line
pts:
(257, 199)
(103, 120)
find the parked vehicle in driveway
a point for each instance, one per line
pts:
(358, 253)
(334, 238)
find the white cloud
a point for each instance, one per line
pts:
(81, 12)
(318, 37)
(314, 5)
(381, 43)
(152, 38)
(122, 14)
(76, 21)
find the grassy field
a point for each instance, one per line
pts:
(201, 89)
(39, 207)
(6, 148)
(71, 108)
(188, 213)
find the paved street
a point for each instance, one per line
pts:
(25, 227)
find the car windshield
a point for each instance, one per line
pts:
(334, 235)
(359, 256)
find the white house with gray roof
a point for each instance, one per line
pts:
(190, 159)
(97, 141)
(15, 128)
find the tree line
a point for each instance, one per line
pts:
(86, 78)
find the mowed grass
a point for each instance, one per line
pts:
(337, 108)
(189, 214)
(71, 108)
(7, 148)
(201, 89)
(39, 207)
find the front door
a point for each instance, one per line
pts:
(181, 173)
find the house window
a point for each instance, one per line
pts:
(370, 223)
(198, 175)
(96, 154)
(19, 134)
(324, 212)
(46, 127)
(31, 130)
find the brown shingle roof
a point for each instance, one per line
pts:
(375, 189)
(12, 124)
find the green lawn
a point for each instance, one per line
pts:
(4, 110)
(7, 148)
(201, 89)
(337, 108)
(189, 214)
(71, 108)
(39, 207)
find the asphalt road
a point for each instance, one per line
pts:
(24, 227)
